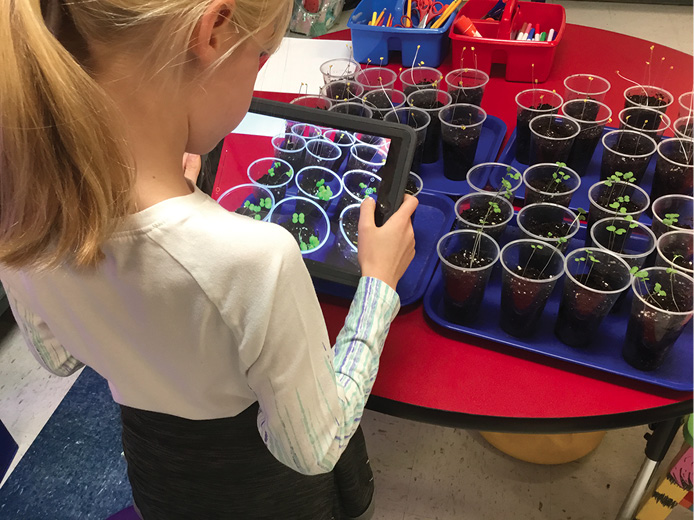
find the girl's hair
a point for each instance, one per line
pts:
(66, 177)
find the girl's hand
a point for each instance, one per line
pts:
(386, 251)
(191, 166)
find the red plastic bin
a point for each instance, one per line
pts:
(495, 46)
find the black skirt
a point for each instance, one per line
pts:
(220, 469)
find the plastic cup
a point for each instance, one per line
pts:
(655, 321)
(382, 101)
(672, 212)
(592, 117)
(648, 121)
(467, 85)
(530, 271)
(626, 151)
(585, 86)
(251, 200)
(473, 211)
(319, 102)
(419, 121)
(418, 78)
(321, 185)
(321, 152)
(373, 140)
(376, 78)
(674, 169)
(676, 249)
(339, 69)
(290, 148)
(344, 140)
(647, 96)
(431, 101)
(347, 239)
(414, 185)
(632, 241)
(287, 213)
(358, 184)
(531, 103)
(551, 138)
(590, 291)
(549, 223)
(306, 131)
(461, 126)
(547, 182)
(686, 103)
(489, 176)
(353, 109)
(271, 173)
(684, 127)
(467, 258)
(603, 193)
(366, 157)
(342, 91)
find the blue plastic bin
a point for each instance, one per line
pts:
(373, 43)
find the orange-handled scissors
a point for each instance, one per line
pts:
(428, 10)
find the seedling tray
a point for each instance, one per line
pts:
(605, 354)
(491, 137)
(433, 218)
(580, 198)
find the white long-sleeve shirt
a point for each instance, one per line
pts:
(198, 312)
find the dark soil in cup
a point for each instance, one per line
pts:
(686, 129)
(341, 92)
(629, 144)
(459, 156)
(472, 96)
(655, 100)
(548, 229)
(373, 140)
(596, 280)
(279, 176)
(609, 196)
(522, 302)
(411, 186)
(643, 119)
(301, 232)
(426, 83)
(247, 212)
(587, 111)
(523, 132)
(464, 289)
(583, 148)
(475, 215)
(380, 103)
(553, 143)
(674, 178)
(685, 260)
(351, 227)
(546, 183)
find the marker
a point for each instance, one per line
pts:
(537, 37)
(550, 36)
(522, 35)
(543, 36)
(531, 35)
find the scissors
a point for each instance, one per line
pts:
(427, 10)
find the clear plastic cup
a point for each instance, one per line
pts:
(373, 140)
(353, 109)
(603, 193)
(344, 140)
(382, 101)
(358, 184)
(530, 271)
(349, 232)
(467, 258)
(686, 102)
(321, 152)
(288, 214)
(414, 185)
(648, 121)
(290, 148)
(626, 151)
(366, 157)
(461, 127)
(467, 85)
(376, 78)
(661, 308)
(271, 173)
(531, 103)
(549, 223)
(550, 182)
(432, 101)
(585, 86)
(419, 121)
(489, 176)
(551, 138)
(418, 78)
(630, 240)
(676, 249)
(474, 211)
(684, 127)
(674, 169)
(251, 200)
(672, 212)
(306, 131)
(339, 69)
(647, 96)
(321, 185)
(592, 116)
(312, 101)
(590, 290)
(342, 91)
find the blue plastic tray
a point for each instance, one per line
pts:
(374, 43)
(8, 448)
(491, 137)
(433, 218)
(580, 198)
(606, 352)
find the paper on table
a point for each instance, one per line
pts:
(298, 60)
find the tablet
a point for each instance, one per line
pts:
(308, 170)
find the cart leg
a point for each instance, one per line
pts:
(657, 444)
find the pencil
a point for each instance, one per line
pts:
(373, 19)
(409, 13)
(449, 10)
(379, 20)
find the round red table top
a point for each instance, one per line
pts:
(431, 374)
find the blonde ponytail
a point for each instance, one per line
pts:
(64, 178)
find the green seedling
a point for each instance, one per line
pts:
(671, 219)
(558, 177)
(585, 259)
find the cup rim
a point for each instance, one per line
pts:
(643, 88)
(641, 156)
(342, 228)
(306, 194)
(634, 285)
(485, 78)
(690, 108)
(641, 226)
(439, 92)
(591, 200)
(320, 132)
(555, 194)
(322, 212)
(491, 163)
(568, 118)
(312, 96)
(358, 141)
(248, 185)
(454, 105)
(397, 111)
(380, 70)
(283, 136)
(388, 91)
(670, 233)
(544, 111)
(273, 159)
(603, 121)
(575, 223)
(597, 93)
(672, 139)
(330, 143)
(352, 103)
(345, 132)
(688, 119)
(669, 196)
(539, 243)
(344, 184)
(410, 84)
(420, 183)
(601, 251)
(348, 82)
(357, 65)
(663, 118)
(485, 236)
(480, 226)
(376, 148)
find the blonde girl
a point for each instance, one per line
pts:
(204, 322)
